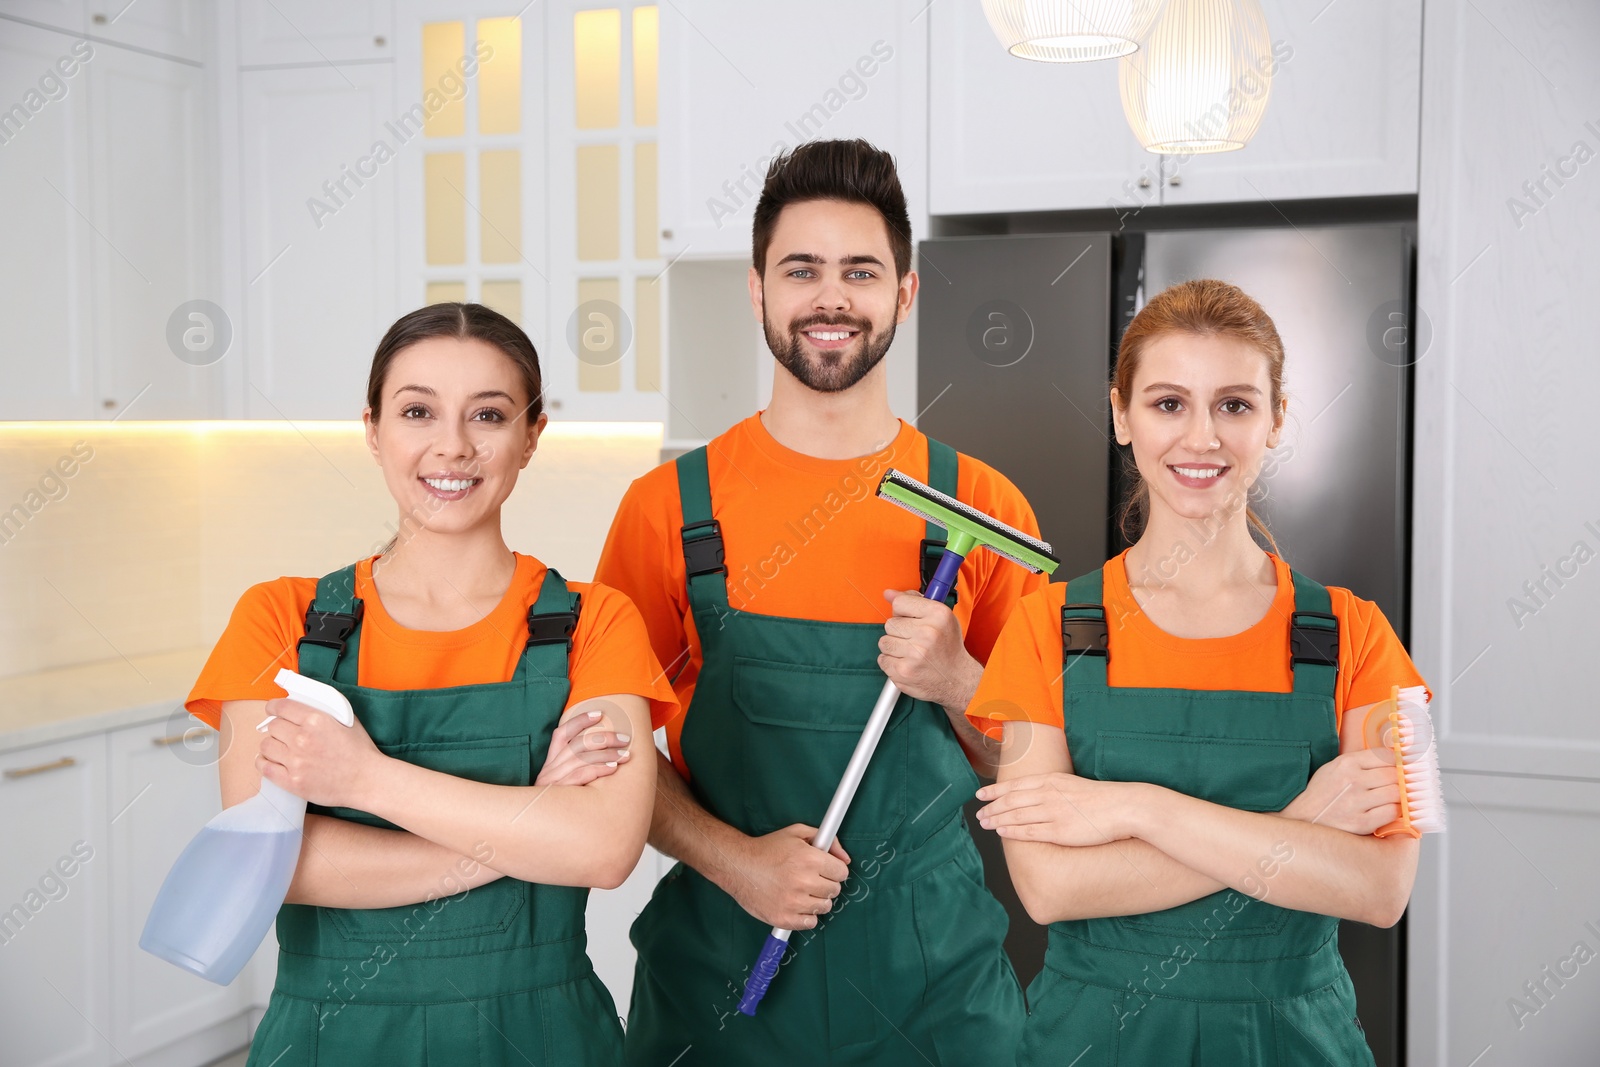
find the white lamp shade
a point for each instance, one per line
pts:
(1201, 80)
(1070, 31)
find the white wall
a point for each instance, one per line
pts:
(1506, 487)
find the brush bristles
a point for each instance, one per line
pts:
(944, 500)
(1420, 760)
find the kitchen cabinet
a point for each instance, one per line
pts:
(1013, 135)
(311, 32)
(54, 986)
(176, 28)
(1008, 134)
(736, 89)
(163, 787)
(318, 279)
(1342, 118)
(44, 183)
(152, 203)
(106, 180)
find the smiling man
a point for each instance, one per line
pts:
(778, 593)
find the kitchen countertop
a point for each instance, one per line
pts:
(69, 702)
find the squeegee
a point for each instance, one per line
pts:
(967, 528)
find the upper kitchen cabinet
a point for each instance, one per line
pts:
(318, 148)
(176, 28)
(602, 345)
(152, 256)
(44, 183)
(107, 185)
(276, 32)
(735, 91)
(1009, 134)
(1343, 115)
(1016, 135)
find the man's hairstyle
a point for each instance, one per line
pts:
(851, 171)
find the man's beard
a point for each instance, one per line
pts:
(833, 370)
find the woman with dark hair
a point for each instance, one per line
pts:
(1184, 791)
(437, 913)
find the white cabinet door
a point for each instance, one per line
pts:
(152, 250)
(44, 185)
(163, 788)
(318, 222)
(1343, 115)
(54, 869)
(737, 88)
(1009, 134)
(171, 27)
(314, 31)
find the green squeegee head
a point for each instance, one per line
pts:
(966, 525)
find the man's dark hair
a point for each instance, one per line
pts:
(851, 171)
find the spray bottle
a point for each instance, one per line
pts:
(228, 884)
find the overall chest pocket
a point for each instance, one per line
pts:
(499, 908)
(1250, 774)
(798, 727)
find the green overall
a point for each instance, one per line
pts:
(1226, 979)
(496, 975)
(908, 968)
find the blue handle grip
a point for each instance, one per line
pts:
(944, 576)
(762, 973)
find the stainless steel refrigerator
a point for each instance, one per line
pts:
(1016, 338)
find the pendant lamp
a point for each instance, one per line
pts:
(1070, 31)
(1201, 78)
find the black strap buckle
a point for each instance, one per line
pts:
(702, 551)
(554, 627)
(932, 553)
(1084, 635)
(1315, 642)
(331, 629)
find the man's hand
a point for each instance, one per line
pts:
(785, 881)
(922, 653)
(1356, 792)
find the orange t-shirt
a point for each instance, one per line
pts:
(1022, 681)
(804, 539)
(610, 650)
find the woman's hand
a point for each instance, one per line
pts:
(584, 747)
(1057, 807)
(1357, 792)
(310, 754)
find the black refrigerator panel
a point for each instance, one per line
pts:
(1334, 491)
(1012, 360)
(1012, 336)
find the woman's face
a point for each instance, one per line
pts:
(452, 433)
(1200, 420)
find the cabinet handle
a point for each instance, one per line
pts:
(1176, 179)
(170, 739)
(23, 772)
(99, 19)
(1144, 183)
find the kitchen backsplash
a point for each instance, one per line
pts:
(121, 540)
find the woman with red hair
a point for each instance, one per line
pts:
(1184, 792)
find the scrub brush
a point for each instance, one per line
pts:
(1402, 725)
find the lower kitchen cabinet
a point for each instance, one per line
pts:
(54, 877)
(92, 825)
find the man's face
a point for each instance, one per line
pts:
(829, 300)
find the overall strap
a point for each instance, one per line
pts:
(330, 649)
(704, 560)
(1313, 639)
(1084, 645)
(552, 619)
(943, 477)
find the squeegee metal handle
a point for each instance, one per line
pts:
(771, 955)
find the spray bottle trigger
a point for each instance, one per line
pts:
(319, 695)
